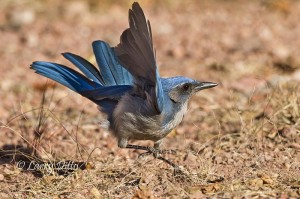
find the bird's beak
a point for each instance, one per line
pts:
(204, 85)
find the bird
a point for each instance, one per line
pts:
(127, 87)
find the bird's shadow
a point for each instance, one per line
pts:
(25, 159)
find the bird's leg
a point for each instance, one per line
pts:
(175, 166)
(149, 149)
(123, 143)
(163, 151)
(152, 150)
(155, 152)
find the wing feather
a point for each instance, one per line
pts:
(135, 52)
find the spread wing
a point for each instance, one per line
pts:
(135, 52)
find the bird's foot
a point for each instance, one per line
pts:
(178, 171)
(157, 152)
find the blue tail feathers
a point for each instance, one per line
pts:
(111, 71)
(64, 75)
(86, 67)
(103, 87)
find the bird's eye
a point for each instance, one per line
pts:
(186, 87)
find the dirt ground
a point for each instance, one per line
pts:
(240, 139)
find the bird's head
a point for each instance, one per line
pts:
(180, 89)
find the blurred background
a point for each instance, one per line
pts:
(251, 48)
(220, 40)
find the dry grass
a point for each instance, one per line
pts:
(240, 139)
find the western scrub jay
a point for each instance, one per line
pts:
(139, 104)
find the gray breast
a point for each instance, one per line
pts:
(175, 119)
(130, 123)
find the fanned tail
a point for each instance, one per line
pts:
(104, 87)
